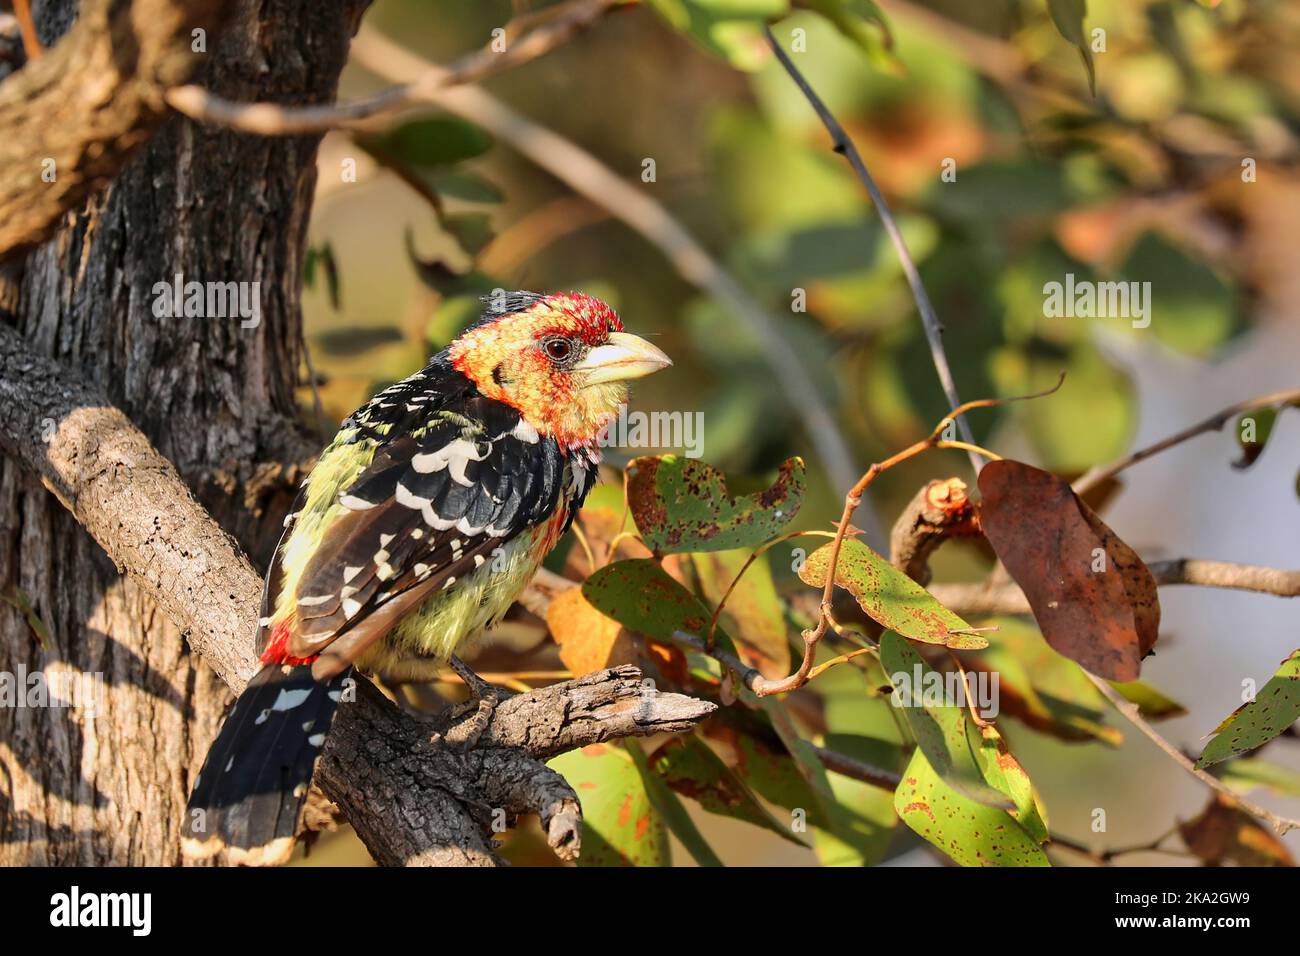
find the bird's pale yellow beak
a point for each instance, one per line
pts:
(626, 357)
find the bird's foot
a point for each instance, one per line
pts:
(482, 703)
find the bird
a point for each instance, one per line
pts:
(416, 529)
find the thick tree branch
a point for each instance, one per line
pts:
(74, 116)
(411, 801)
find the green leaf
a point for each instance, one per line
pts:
(889, 596)
(671, 810)
(350, 341)
(841, 839)
(864, 24)
(869, 809)
(732, 29)
(785, 770)
(689, 767)
(1152, 704)
(681, 505)
(324, 256)
(465, 186)
(1005, 773)
(1198, 310)
(640, 595)
(1253, 429)
(943, 731)
(472, 230)
(620, 826)
(971, 833)
(1246, 773)
(763, 761)
(1275, 708)
(433, 141)
(1068, 16)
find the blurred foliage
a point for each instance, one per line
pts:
(1019, 142)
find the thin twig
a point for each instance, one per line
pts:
(933, 329)
(1215, 422)
(637, 208)
(1133, 715)
(749, 562)
(812, 636)
(847, 766)
(275, 119)
(1104, 857)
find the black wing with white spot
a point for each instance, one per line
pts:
(430, 509)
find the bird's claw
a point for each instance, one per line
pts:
(482, 703)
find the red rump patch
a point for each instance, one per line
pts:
(277, 649)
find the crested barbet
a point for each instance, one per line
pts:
(418, 527)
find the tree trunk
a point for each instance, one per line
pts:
(105, 781)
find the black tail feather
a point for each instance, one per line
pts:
(248, 798)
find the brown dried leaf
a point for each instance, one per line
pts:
(1225, 832)
(1094, 599)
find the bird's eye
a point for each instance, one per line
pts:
(557, 349)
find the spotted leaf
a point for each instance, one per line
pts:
(1275, 708)
(620, 827)
(971, 833)
(889, 596)
(682, 505)
(934, 706)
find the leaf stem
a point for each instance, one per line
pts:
(812, 636)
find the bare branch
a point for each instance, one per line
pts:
(274, 119)
(933, 329)
(1133, 714)
(392, 784)
(74, 116)
(1097, 475)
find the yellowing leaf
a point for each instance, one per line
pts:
(619, 825)
(889, 596)
(971, 833)
(589, 641)
(1225, 832)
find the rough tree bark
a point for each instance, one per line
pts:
(216, 398)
